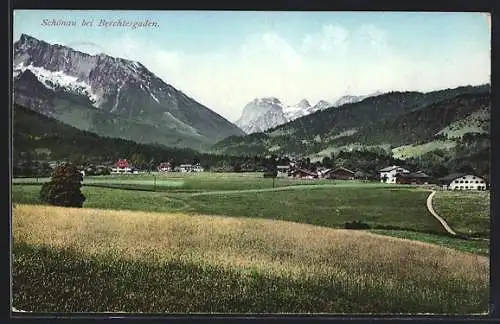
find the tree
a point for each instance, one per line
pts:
(64, 187)
(151, 165)
(327, 162)
(138, 160)
(237, 167)
(466, 169)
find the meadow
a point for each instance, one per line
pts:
(466, 212)
(237, 235)
(78, 260)
(326, 205)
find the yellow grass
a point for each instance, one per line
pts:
(269, 246)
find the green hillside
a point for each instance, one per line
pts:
(394, 118)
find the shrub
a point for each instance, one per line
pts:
(356, 225)
(270, 174)
(64, 187)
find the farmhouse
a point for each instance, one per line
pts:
(462, 181)
(190, 168)
(164, 167)
(121, 166)
(283, 169)
(339, 173)
(185, 167)
(418, 177)
(304, 174)
(197, 168)
(388, 174)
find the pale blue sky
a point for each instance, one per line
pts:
(225, 59)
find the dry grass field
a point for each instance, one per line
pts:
(67, 259)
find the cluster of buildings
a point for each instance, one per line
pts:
(454, 181)
(167, 167)
(123, 166)
(392, 175)
(339, 173)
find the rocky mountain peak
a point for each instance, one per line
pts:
(124, 88)
(304, 104)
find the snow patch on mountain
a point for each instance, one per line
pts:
(298, 110)
(348, 99)
(156, 99)
(57, 79)
(322, 104)
(117, 97)
(262, 114)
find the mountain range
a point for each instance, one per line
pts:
(111, 96)
(406, 124)
(121, 99)
(264, 113)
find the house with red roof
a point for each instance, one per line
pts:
(164, 167)
(121, 166)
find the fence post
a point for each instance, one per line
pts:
(154, 188)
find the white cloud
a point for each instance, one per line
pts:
(376, 37)
(270, 48)
(330, 38)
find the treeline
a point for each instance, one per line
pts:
(39, 139)
(395, 118)
(419, 126)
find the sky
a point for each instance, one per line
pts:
(226, 59)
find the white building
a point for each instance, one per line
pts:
(388, 175)
(283, 170)
(458, 181)
(190, 168)
(197, 168)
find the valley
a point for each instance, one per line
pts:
(355, 178)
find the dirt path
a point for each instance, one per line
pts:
(439, 218)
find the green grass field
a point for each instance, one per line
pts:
(194, 181)
(91, 245)
(466, 212)
(331, 206)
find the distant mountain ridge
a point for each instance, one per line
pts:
(347, 99)
(111, 97)
(388, 120)
(265, 113)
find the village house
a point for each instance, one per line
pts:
(283, 169)
(121, 166)
(339, 173)
(304, 174)
(418, 178)
(462, 181)
(197, 168)
(389, 174)
(190, 168)
(164, 167)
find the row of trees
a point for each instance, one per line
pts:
(437, 163)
